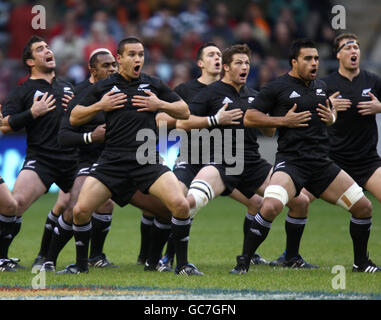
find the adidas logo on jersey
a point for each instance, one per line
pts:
(143, 86)
(294, 94)
(226, 100)
(365, 92)
(37, 94)
(250, 100)
(115, 89)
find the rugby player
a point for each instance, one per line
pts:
(302, 157)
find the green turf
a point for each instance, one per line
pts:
(216, 239)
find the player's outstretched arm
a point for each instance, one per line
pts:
(109, 102)
(292, 119)
(222, 118)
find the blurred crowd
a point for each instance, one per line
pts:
(171, 30)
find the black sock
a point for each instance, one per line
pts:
(145, 236)
(6, 241)
(50, 224)
(170, 250)
(101, 223)
(249, 218)
(60, 237)
(258, 232)
(7, 226)
(294, 231)
(359, 230)
(180, 230)
(82, 239)
(160, 234)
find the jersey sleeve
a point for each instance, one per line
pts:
(266, 99)
(165, 93)
(377, 88)
(93, 95)
(13, 104)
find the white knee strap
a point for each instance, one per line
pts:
(353, 194)
(202, 192)
(276, 192)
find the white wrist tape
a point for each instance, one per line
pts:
(87, 138)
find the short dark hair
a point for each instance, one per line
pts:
(227, 54)
(27, 51)
(94, 58)
(123, 42)
(342, 36)
(296, 46)
(201, 49)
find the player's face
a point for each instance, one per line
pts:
(106, 65)
(239, 68)
(307, 63)
(211, 61)
(132, 60)
(349, 55)
(43, 58)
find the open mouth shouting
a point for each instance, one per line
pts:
(137, 69)
(243, 76)
(354, 60)
(313, 73)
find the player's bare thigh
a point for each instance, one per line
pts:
(93, 194)
(8, 205)
(360, 206)
(373, 185)
(27, 189)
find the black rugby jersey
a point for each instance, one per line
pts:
(69, 133)
(212, 98)
(278, 97)
(353, 136)
(189, 89)
(42, 132)
(122, 125)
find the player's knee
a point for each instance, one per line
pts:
(81, 214)
(201, 192)
(255, 204)
(362, 208)
(299, 206)
(10, 208)
(271, 208)
(180, 208)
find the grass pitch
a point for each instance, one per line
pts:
(215, 240)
